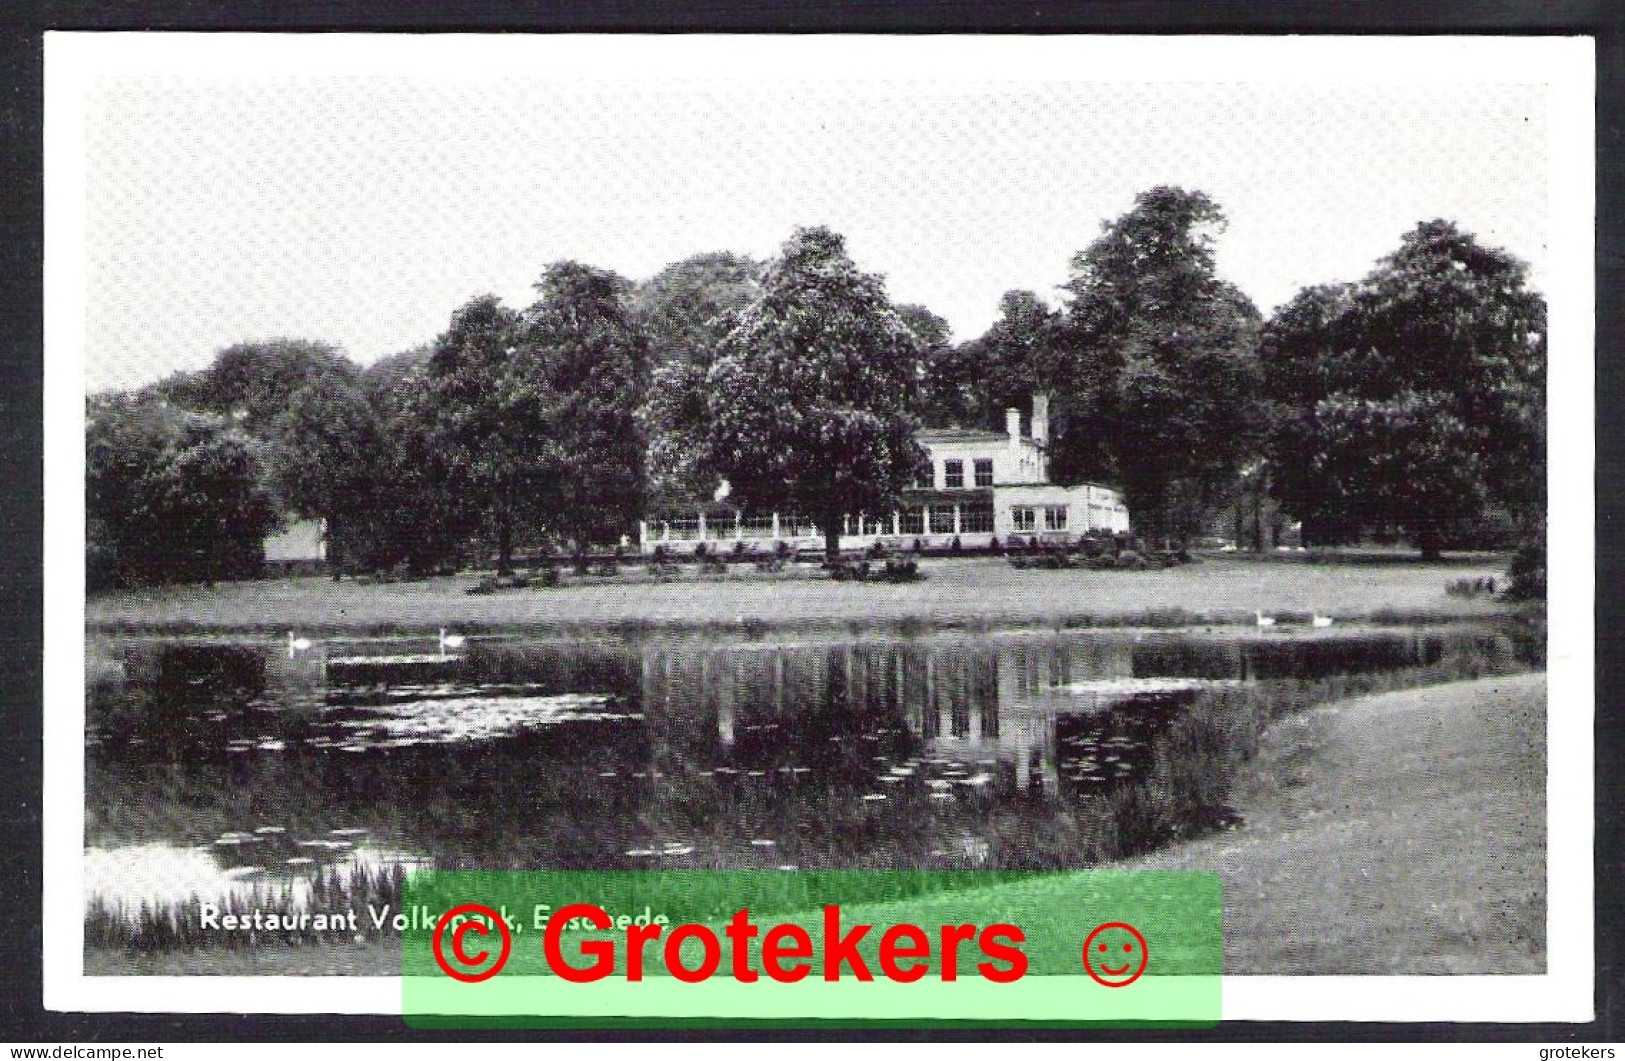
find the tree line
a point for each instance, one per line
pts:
(1409, 403)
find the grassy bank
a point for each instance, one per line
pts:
(1400, 834)
(968, 593)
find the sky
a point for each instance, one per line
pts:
(361, 207)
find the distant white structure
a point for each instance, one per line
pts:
(299, 547)
(982, 485)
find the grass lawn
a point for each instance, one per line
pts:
(955, 593)
(1402, 834)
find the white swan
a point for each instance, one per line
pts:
(1319, 621)
(1264, 620)
(296, 644)
(452, 641)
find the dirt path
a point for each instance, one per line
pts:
(1394, 834)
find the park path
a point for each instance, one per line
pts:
(1399, 834)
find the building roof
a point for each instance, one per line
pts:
(962, 434)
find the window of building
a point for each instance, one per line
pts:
(976, 518)
(953, 474)
(1055, 517)
(1023, 517)
(984, 472)
(913, 520)
(942, 519)
(927, 477)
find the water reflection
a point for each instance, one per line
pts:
(218, 766)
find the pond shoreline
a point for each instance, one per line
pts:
(955, 595)
(1319, 880)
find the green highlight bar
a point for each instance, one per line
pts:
(553, 948)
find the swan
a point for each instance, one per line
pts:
(296, 644)
(1264, 620)
(452, 641)
(1320, 621)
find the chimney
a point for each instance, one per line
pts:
(1041, 418)
(1012, 426)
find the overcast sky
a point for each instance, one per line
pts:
(363, 209)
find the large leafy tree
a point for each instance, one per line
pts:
(487, 450)
(253, 382)
(171, 495)
(813, 394)
(1415, 399)
(1158, 363)
(331, 465)
(582, 371)
(970, 385)
(685, 310)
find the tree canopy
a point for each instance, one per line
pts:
(1158, 363)
(587, 366)
(813, 393)
(685, 310)
(1414, 399)
(1411, 402)
(171, 495)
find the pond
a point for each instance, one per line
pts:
(236, 767)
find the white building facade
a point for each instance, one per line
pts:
(982, 486)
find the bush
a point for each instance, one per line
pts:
(956, 547)
(1102, 562)
(919, 546)
(994, 547)
(1470, 587)
(1527, 574)
(781, 549)
(551, 578)
(1129, 560)
(901, 571)
(701, 551)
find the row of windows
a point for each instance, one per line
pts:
(1025, 517)
(953, 474)
(930, 519)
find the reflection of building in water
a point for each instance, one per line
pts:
(988, 709)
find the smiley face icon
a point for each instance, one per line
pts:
(1115, 954)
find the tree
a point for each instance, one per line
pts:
(1414, 400)
(582, 371)
(487, 452)
(1157, 363)
(813, 394)
(252, 382)
(685, 310)
(331, 465)
(215, 507)
(170, 495)
(972, 384)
